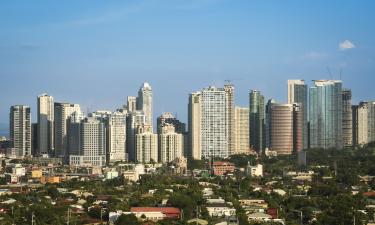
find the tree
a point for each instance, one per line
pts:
(127, 219)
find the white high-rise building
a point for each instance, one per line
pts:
(131, 104)
(214, 133)
(146, 145)
(92, 144)
(20, 131)
(241, 131)
(116, 132)
(144, 102)
(171, 144)
(63, 112)
(195, 120)
(45, 125)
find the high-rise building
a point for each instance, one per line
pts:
(92, 144)
(20, 131)
(267, 123)
(195, 122)
(214, 123)
(146, 145)
(45, 125)
(62, 112)
(281, 139)
(326, 114)
(131, 105)
(286, 126)
(168, 118)
(116, 136)
(144, 102)
(298, 126)
(297, 93)
(171, 144)
(134, 120)
(229, 90)
(347, 123)
(241, 131)
(209, 112)
(256, 114)
(363, 123)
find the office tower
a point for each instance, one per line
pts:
(20, 130)
(298, 125)
(347, 133)
(168, 118)
(241, 131)
(116, 136)
(229, 90)
(92, 144)
(131, 104)
(195, 121)
(146, 145)
(45, 125)
(134, 120)
(326, 114)
(297, 93)
(63, 111)
(267, 123)
(144, 102)
(171, 144)
(281, 120)
(256, 113)
(214, 127)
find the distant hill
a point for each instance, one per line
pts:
(4, 129)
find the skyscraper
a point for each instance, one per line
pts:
(241, 131)
(92, 144)
(347, 130)
(209, 122)
(229, 90)
(297, 93)
(298, 125)
(364, 123)
(256, 114)
(326, 114)
(168, 118)
(281, 120)
(20, 130)
(171, 144)
(267, 123)
(144, 102)
(116, 136)
(131, 105)
(134, 120)
(62, 112)
(45, 125)
(146, 145)
(214, 127)
(194, 122)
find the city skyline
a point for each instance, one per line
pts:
(105, 51)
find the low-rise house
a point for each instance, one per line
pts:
(220, 168)
(220, 209)
(149, 213)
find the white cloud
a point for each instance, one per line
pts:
(315, 56)
(345, 45)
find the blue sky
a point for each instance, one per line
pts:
(95, 52)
